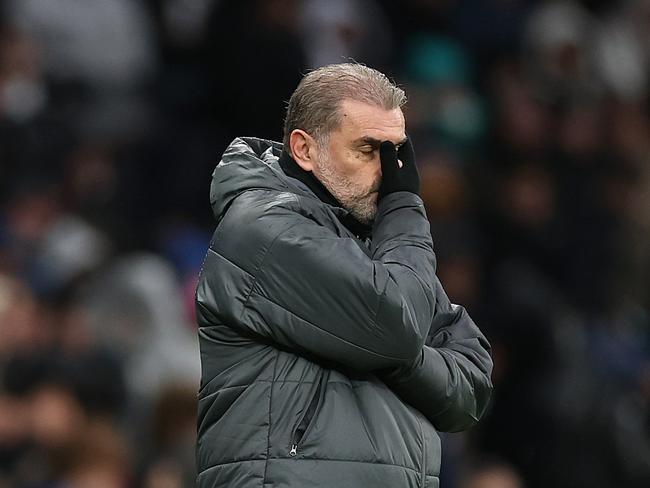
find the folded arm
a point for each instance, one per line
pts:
(449, 382)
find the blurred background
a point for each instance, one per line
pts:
(531, 125)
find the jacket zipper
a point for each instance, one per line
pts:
(306, 420)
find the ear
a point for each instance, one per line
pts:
(303, 149)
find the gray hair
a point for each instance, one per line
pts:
(314, 105)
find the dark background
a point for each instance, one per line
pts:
(531, 126)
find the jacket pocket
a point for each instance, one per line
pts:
(307, 420)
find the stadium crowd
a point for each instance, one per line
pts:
(531, 123)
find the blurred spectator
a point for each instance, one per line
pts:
(492, 476)
(99, 459)
(47, 246)
(103, 43)
(336, 31)
(171, 462)
(20, 330)
(443, 107)
(622, 50)
(23, 93)
(136, 310)
(556, 51)
(98, 55)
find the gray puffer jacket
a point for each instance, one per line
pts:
(327, 361)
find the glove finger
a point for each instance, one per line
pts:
(388, 156)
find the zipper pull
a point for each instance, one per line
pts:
(292, 452)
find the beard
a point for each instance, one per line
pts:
(360, 200)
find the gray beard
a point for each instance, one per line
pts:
(354, 198)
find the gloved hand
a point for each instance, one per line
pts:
(394, 178)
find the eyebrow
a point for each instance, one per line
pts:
(375, 142)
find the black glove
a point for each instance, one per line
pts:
(394, 178)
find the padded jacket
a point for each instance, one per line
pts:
(328, 360)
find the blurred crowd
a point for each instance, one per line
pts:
(531, 123)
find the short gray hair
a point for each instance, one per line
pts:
(314, 105)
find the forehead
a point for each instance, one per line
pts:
(360, 119)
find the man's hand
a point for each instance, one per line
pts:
(396, 176)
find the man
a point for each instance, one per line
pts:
(331, 355)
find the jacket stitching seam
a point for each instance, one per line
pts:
(423, 284)
(355, 386)
(258, 269)
(326, 331)
(266, 460)
(381, 301)
(214, 251)
(268, 431)
(423, 474)
(305, 382)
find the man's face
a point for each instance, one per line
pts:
(349, 166)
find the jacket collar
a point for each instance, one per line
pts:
(292, 169)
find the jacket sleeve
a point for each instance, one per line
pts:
(276, 273)
(449, 382)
